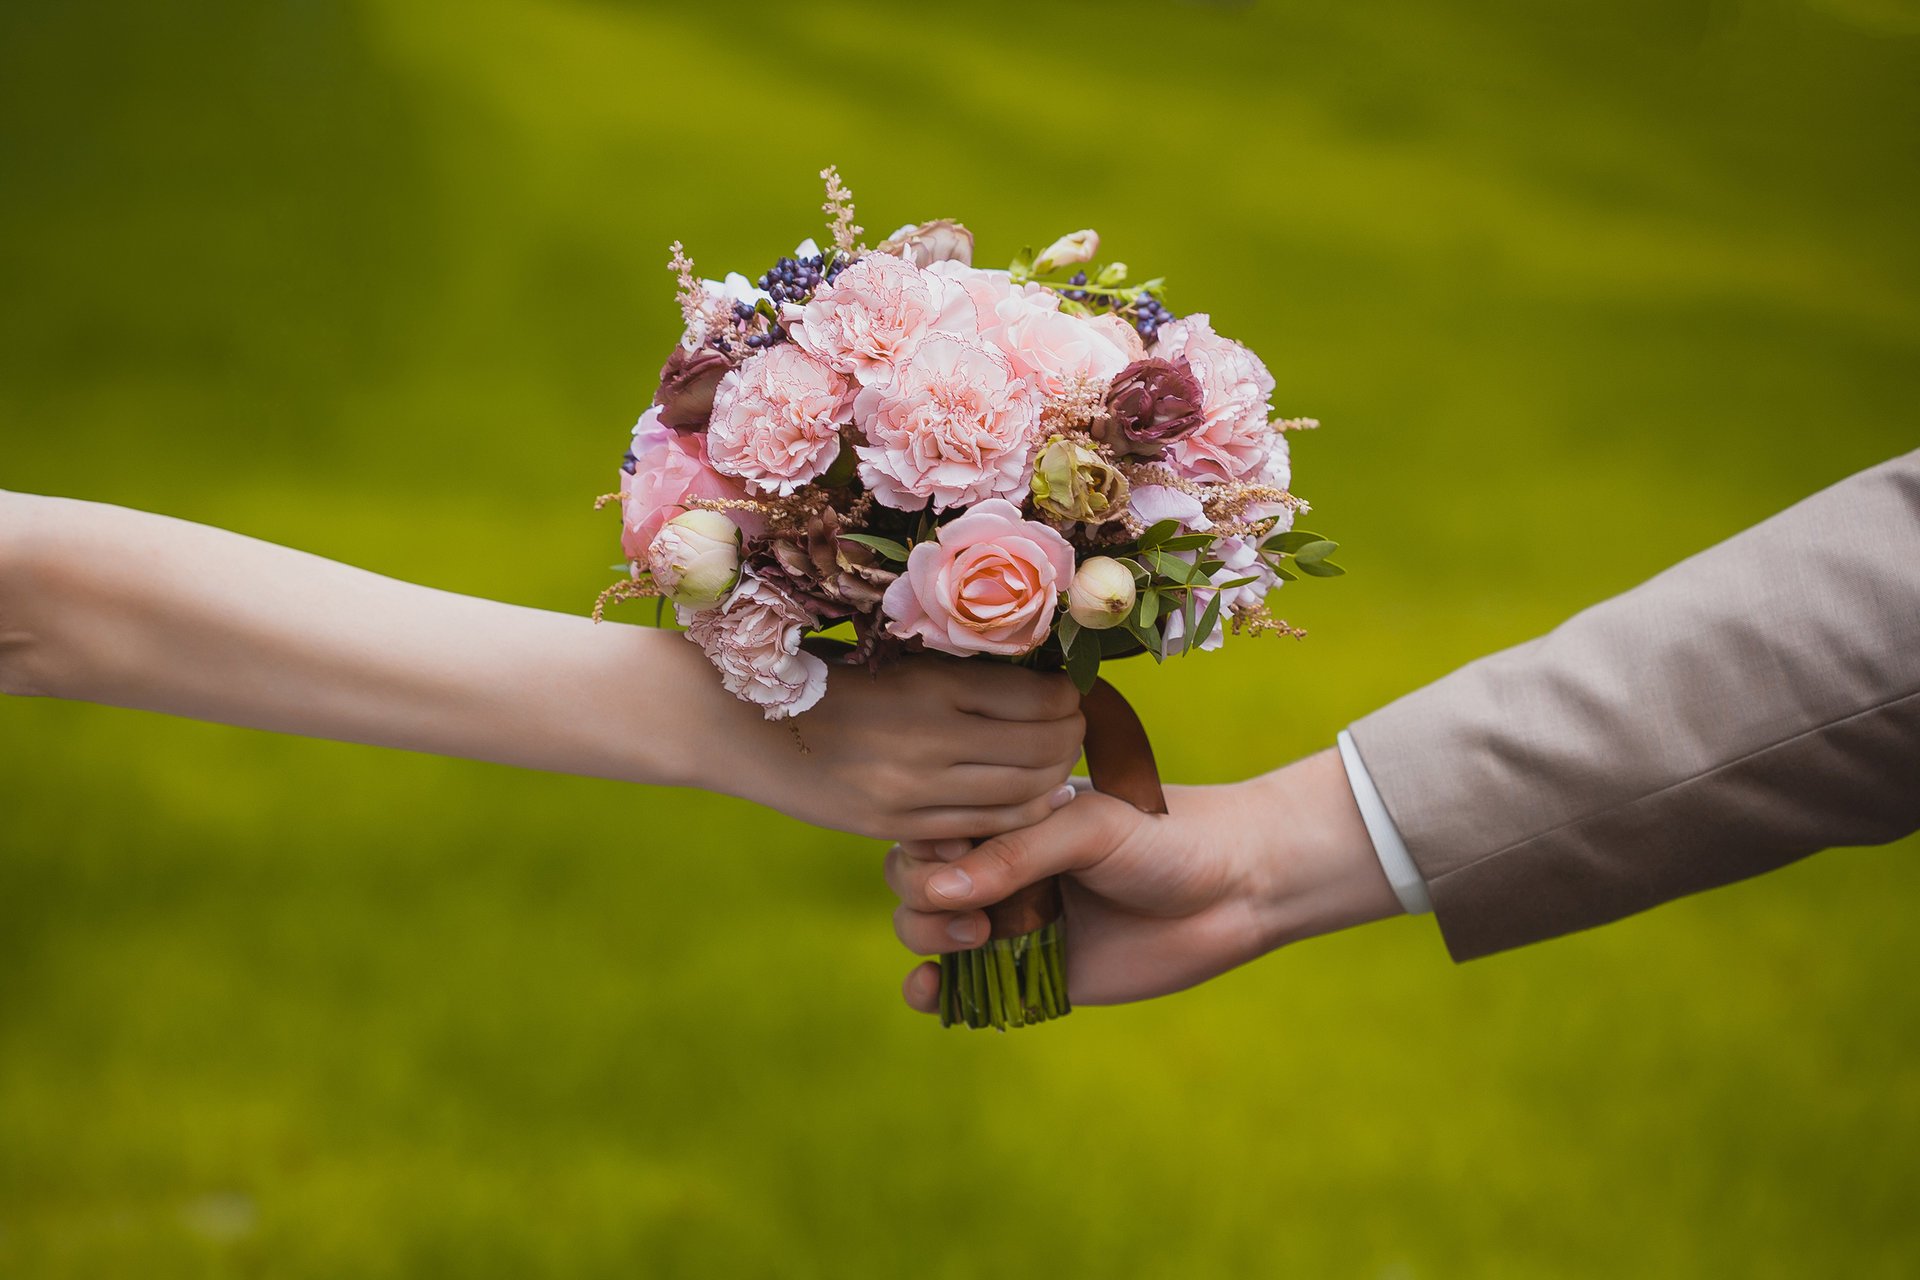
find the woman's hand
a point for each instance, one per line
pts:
(103, 604)
(1158, 903)
(929, 748)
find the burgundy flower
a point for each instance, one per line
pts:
(687, 383)
(821, 563)
(1151, 404)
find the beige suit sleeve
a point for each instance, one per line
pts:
(1751, 705)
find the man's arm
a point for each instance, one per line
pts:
(1751, 705)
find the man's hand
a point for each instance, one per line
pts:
(1158, 903)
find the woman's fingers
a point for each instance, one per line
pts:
(1002, 692)
(921, 990)
(980, 821)
(984, 784)
(1079, 835)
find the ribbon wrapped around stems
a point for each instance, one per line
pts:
(1019, 975)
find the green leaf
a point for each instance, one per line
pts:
(1149, 607)
(1320, 568)
(1231, 583)
(1111, 274)
(885, 546)
(1022, 265)
(1290, 541)
(1208, 621)
(1147, 636)
(1158, 533)
(1314, 552)
(1207, 568)
(1169, 567)
(1068, 631)
(1083, 666)
(1188, 542)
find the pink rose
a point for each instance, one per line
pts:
(754, 641)
(956, 425)
(1055, 350)
(777, 418)
(997, 300)
(875, 314)
(1234, 438)
(989, 584)
(1122, 334)
(666, 474)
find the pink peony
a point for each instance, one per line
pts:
(956, 425)
(1234, 440)
(777, 418)
(989, 584)
(754, 641)
(875, 315)
(666, 473)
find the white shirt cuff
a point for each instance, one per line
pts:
(1408, 884)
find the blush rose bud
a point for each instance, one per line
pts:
(695, 558)
(1068, 251)
(1072, 481)
(942, 240)
(1102, 594)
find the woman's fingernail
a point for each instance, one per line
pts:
(951, 883)
(1062, 796)
(966, 932)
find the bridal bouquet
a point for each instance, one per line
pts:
(1041, 465)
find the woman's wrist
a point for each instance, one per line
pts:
(1314, 869)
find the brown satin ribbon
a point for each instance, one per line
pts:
(1120, 763)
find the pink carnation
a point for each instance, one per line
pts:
(754, 641)
(988, 584)
(1235, 438)
(670, 469)
(956, 425)
(875, 314)
(777, 418)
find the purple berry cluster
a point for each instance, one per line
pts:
(1149, 313)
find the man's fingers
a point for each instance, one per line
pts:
(929, 933)
(1013, 693)
(1077, 836)
(921, 990)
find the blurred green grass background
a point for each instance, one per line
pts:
(1577, 289)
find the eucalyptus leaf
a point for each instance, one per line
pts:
(1320, 568)
(1149, 607)
(1188, 542)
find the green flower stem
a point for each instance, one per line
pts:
(1009, 982)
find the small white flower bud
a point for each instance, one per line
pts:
(1068, 251)
(1102, 593)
